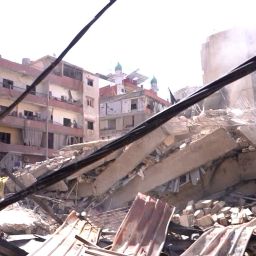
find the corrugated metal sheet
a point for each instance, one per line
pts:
(63, 241)
(231, 240)
(142, 231)
(144, 228)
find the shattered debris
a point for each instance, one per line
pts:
(204, 166)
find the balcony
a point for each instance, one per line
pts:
(26, 150)
(39, 124)
(41, 99)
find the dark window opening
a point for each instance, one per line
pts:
(2, 108)
(72, 72)
(5, 137)
(67, 122)
(134, 104)
(90, 125)
(90, 101)
(28, 114)
(90, 82)
(50, 140)
(8, 83)
(112, 124)
(33, 91)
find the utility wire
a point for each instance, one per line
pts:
(136, 133)
(48, 70)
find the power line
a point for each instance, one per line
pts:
(48, 70)
(136, 133)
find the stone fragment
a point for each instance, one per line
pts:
(199, 213)
(203, 204)
(187, 220)
(205, 221)
(217, 207)
(189, 208)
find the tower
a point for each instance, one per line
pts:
(154, 86)
(119, 77)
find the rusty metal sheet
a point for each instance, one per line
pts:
(231, 240)
(144, 228)
(63, 241)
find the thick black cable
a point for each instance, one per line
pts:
(48, 70)
(136, 133)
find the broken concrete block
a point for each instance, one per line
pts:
(205, 221)
(60, 186)
(203, 204)
(214, 217)
(207, 210)
(136, 151)
(234, 210)
(199, 213)
(217, 207)
(187, 220)
(253, 210)
(223, 221)
(189, 208)
(249, 132)
(176, 218)
(176, 164)
(225, 210)
(246, 212)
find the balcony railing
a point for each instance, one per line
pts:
(41, 94)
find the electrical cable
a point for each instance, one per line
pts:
(48, 70)
(136, 133)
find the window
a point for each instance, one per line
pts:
(90, 125)
(67, 122)
(112, 124)
(89, 82)
(128, 121)
(7, 83)
(90, 101)
(2, 108)
(5, 137)
(134, 104)
(33, 90)
(50, 140)
(72, 72)
(28, 114)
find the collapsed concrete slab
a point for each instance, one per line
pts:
(191, 157)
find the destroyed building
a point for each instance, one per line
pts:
(127, 103)
(219, 54)
(62, 110)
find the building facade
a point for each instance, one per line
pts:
(221, 53)
(62, 110)
(125, 104)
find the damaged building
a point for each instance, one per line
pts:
(127, 103)
(62, 110)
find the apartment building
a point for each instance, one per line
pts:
(127, 103)
(62, 110)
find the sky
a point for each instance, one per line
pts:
(159, 37)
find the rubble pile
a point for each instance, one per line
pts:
(206, 213)
(184, 159)
(17, 219)
(204, 166)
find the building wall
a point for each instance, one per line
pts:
(15, 134)
(58, 91)
(58, 115)
(220, 54)
(91, 113)
(20, 80)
